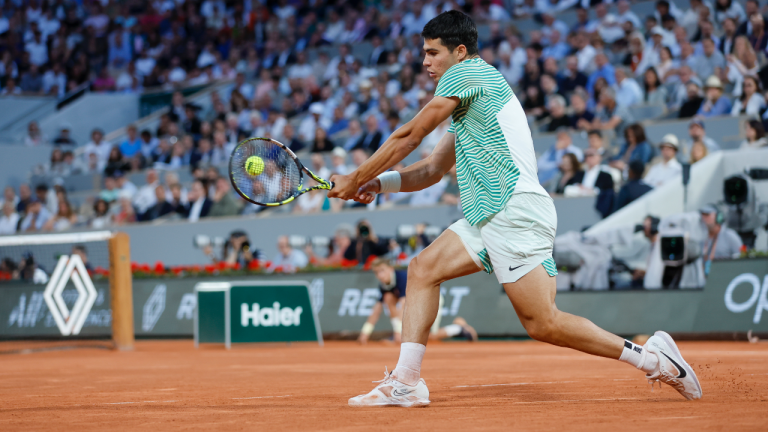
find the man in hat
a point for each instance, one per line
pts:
(697, 134)
(668, 168)
(311, 122)
(715, 102)
(705, 64)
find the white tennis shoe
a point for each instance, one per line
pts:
(391, 392)
(672, 369)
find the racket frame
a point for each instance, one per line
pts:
(322, 183)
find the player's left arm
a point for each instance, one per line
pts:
(399, 145)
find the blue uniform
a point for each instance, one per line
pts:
(396, 286)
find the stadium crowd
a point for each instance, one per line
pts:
(703, 62)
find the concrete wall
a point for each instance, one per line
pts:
(13, 108)
(105, 111)
(17, 161)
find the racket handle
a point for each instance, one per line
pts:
(332, 185)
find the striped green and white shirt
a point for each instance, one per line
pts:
(494, 148)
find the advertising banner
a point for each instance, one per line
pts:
(735, 299)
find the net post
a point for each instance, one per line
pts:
(121, 290)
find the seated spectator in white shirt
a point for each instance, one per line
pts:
(668, 168)
(97, 146)
(37, 216)
(9, 219)
(288, 258)
(755, 136)
(628, 91)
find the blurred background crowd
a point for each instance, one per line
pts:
(585, 80)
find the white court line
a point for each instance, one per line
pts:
(512, 384)
(576, 400)
(125, 403)
(261, 397)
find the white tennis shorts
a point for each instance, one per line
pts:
(515, 240)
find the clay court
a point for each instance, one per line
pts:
(169, 385)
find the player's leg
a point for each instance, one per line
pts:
(446, 258)
(459, 328)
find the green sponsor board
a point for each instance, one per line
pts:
(248, 311)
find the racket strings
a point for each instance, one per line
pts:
(280, 178)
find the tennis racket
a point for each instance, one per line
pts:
(265, 172)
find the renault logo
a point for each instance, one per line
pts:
(70, 322)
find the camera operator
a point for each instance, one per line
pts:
(650, 277)
(236, 250)
(722, 242)
(365, 244)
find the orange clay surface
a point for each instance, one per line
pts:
(525, 385)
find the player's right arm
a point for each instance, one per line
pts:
(421, 174)
(399, 145)
(373, 318)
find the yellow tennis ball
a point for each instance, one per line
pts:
(254, 165)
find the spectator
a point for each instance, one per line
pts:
(596, 181)
(371, 139)
(125, 212)
(318, 166)
(758, 38)
(668, 168)
(116, 162)
(572, 78)
(558, 118)
(715, 102)
(132, 143)
(64, 219)
(603, 69)
(311, 122)
(199, 205)
(145, 196)
(697, 134)
(64, 140)
(634, 188)
(25, 198)
(722, 242)
(549, 162)
(678, 92)
(595, 139)
(10, 88)
(635, 148)
(9, 219)
(110, 192)
(338, 161)
(698, 152)
(336, 248)
(224, 203)
(707, 63)
(366, 244)
(570, 173)
(34, 137)
(355, 135)
(97, 146)
(36, 218)
(628, 91)
(693, 102)
(289, 139)
(728, 9)
(580, 118)
(288, 259)
(9, 196)
(310, 202)
(160, 208)
(611, 115)
(125, 188)
(655, 92)
(235, 251)
(451, 192)
(321, 142)
(31, 81)
(755, 135)
(751, 101)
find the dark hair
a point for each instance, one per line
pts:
(638, 130)
(636, 168)
(595, 132)
(80, 248)
(758, 89)
(662, 3)
(656, 82)
(453, 28)
(757, 125)
(575, 164)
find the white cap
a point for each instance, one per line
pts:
(316, 108)
(670, 140)
(339, 151)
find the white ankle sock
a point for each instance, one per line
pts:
(639, 357)
(408, 368)
(452, 330)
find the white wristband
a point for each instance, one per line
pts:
(390, 181)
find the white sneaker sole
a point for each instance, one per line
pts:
(688, 369)
(413, 404)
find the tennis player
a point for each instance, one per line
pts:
(392, 284)
(509, 224)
